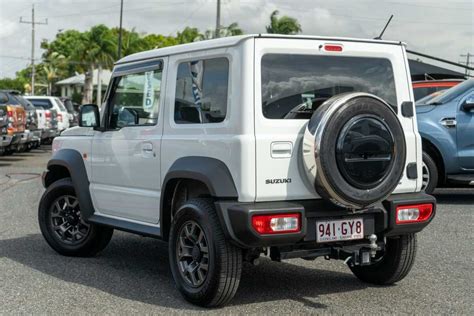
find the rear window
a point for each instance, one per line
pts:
(68, 105)
(3, 98)
(27, 105)
(293, 86)
(44, 103)
(60, 104)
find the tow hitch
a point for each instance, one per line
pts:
(364, 254)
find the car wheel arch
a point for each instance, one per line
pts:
(202, 176)
(69, 163)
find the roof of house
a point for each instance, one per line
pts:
(79, 79)
(232, 41)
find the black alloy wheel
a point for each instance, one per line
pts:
(192, 253)
(66, 221)
(62, 224)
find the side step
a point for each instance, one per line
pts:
(462, 178)
(135, 228)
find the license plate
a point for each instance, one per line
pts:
(344, 229)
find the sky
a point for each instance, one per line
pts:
(441, 28)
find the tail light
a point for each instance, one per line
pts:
(60, 117)
(47, 114)
(277, 223)
(413, 213)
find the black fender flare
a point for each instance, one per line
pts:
(211, 171)
(72, 160)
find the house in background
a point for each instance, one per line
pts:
(423, 71)
(75, 84)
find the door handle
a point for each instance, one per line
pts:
(147, 147)
(281, 149)
(448, 122)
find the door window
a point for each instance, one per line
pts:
(201, 91)
(136, 100)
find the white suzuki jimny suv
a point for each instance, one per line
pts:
(229, 149)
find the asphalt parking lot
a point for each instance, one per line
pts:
(132, 274)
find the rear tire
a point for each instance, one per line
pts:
(215, 263)
(430, 174)
(62, 225)
(395, 264)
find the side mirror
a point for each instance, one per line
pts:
(89, 116)
(468, 104)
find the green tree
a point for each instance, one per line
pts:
(53, 66)
(188, 35)
(64, 44)
(232, 29)
(283, 25)
(97, 48)
(13, 84)
(153, 41)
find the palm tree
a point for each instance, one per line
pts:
(132, 42)
(232, 29)
(52, 68)
(96, 49)
(283, 25)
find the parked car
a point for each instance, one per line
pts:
(446, 125)
(428, 98)
(223, 173)
(53, 103)
(16, 127)
(32, 129)
(5, 138)
(426, 87)
(73, 114)
(47, 118)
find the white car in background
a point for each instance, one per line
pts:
(53, 103)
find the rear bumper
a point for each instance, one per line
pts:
(25, 137)
(380, 220)
(5, 140)
(16, 138)
(48, 133)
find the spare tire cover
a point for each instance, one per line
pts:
(354, 150)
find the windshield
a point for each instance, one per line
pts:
(293, 86)
(453, 93)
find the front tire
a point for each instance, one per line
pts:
(394, 265)
(205, 266)
(62, 225)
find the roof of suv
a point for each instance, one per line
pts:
(232, 41)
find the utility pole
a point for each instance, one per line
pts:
(218, 19)
(119, 53)
(33, 23)
(468, 62)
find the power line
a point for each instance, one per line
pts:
(33, 23)
(468, 63)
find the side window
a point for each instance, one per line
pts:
(201, 91)
(136, 100)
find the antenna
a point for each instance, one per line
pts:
(383, 31)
